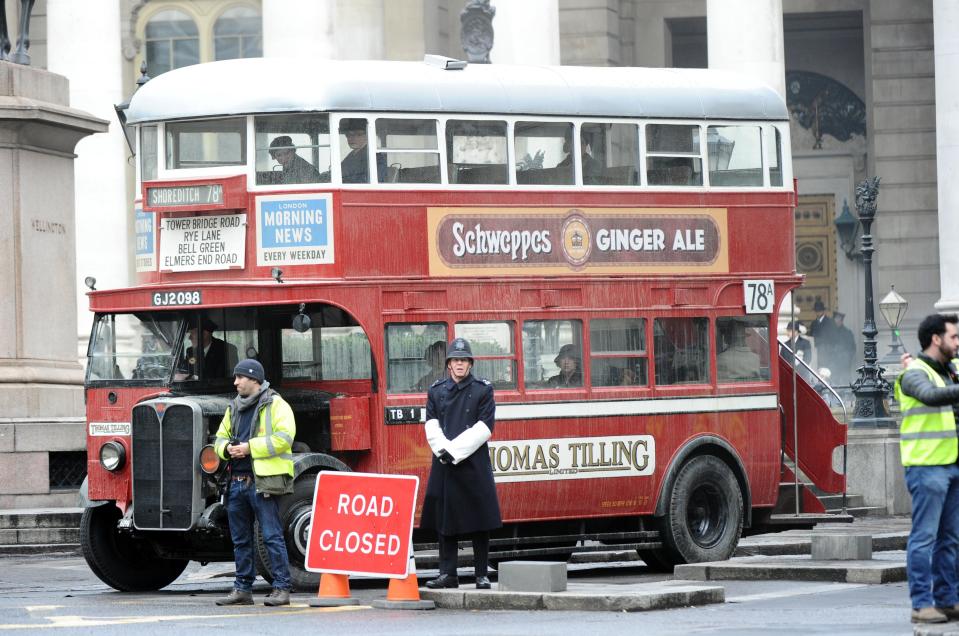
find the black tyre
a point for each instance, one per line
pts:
(658, 560)
(705, 517)
(122, 561)
(296, 515)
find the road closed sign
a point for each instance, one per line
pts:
(362, 524)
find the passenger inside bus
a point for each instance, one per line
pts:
(355, 166)
(592, 169)
(435, 356)
(570, 374)
(295, 169)
(737, 362)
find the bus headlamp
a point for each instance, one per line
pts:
(113, 456)
(209, 460)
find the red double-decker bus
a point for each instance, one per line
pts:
(613, 242)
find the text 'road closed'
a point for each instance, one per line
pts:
(362, 524)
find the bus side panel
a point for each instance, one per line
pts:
(753, 435)
(102, 484)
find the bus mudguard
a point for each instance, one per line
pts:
(307, 462)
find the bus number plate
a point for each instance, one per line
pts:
(759, 296)
(404, 414)
(177, 298)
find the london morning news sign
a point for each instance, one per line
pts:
(294, 230)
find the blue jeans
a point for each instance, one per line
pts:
(242, 507)
(931, 551)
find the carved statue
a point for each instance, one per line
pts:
(20, 56)
(866, 194)
(476, 33)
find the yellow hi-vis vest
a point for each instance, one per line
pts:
(272, 437)
(927, 435)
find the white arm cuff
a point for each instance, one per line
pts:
(467, 442)
(435, 437)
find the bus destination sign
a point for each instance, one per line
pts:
(597, 241)
(174, 196)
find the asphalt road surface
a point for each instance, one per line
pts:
(59, 594)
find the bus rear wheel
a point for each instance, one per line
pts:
(122, 561)
(296, 515)
(705, 518)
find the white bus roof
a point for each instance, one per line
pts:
(277, 85)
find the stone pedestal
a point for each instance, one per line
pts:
(875, 471)
(41, 392)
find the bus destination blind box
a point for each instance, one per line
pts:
(174, 196)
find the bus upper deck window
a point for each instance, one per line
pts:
(476, 152)
(206, 144)
(409, 150)
(292, 149)
(544, 153)
(148, 153)
(735, 156)
(610, 154)
(673, 155)
(774, 150)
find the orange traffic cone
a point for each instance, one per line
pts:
(404, 593)
(334, 591)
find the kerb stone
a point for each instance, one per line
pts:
(532, 576)
(841, 547)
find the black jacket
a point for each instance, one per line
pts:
(461, 498)
(915, 383)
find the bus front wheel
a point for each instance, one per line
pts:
(123, 561)
(705, 517)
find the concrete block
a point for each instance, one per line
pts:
(6, 438)
(841, 547)
(532, 576)
(62, 434)
(23, 473)
(8, 537)
(35, 536)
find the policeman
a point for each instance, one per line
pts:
(928, 394)
(460, 495)
(256, 435)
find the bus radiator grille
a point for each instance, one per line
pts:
(162, 457)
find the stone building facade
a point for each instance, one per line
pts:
(860, 77)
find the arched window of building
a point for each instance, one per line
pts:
(172, 41)
(238, 33)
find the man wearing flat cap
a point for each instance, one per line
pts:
(218, 356)
(296, 169)
(570, 372)
(355, 166)
(256, 437)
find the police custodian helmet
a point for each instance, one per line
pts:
(459, 348)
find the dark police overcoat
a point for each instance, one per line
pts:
(461, 498)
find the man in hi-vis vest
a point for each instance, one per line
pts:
(928, 394)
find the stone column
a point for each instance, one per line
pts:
(299, 28)
(526, 32)
(41, 392)
(946, 26)
(746, 36)
(94, 66)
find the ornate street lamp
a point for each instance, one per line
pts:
(870, 387)
(893, 308)
(846, 226)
